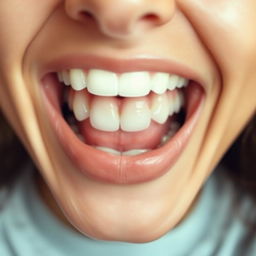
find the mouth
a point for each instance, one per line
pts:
(124, 127)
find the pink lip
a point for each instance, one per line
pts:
(109, 168)
(149, 63)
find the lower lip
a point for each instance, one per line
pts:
(104, 167)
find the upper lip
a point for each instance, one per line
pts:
(140, 63)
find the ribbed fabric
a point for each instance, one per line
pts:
(28, 228)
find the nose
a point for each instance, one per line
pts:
(121, 18)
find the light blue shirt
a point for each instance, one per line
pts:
(28, 228)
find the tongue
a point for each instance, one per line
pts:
(124, 141)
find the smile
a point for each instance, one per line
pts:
(122, 127)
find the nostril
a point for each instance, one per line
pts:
(86, 14)
(151, 17)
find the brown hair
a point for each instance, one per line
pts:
(13, 154)
(241, 159)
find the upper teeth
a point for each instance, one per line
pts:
(129, 114)
(129, 84)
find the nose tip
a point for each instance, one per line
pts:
(121, 18)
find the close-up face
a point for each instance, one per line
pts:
(126, 106)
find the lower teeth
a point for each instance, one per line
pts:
(134, 152)
(174, 127)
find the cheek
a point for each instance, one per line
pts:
(227, 28)
(20, 20)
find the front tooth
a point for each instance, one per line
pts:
(65, 77)
(80, 106)
(102, 83)
(173, 81)
(134, 152)
(159, 108)
(136, 115)
(77, 79)
(134, 84)
(159, 82)
(104, 114)
(109, 150)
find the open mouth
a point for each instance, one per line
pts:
(122, 128)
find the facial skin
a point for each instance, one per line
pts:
(214, 38)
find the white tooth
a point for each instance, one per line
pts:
(171, 100)
(77, 79)
(80, 106)
(66, 78)
(159, 82)
(102, 83)
(134, 84)
(60, 78)
(104, 114)
(159, 108)
(136, 115)
(173, 81)
(134, 152)
(182, 82)
(109, 150)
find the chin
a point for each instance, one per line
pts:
(119, 225)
